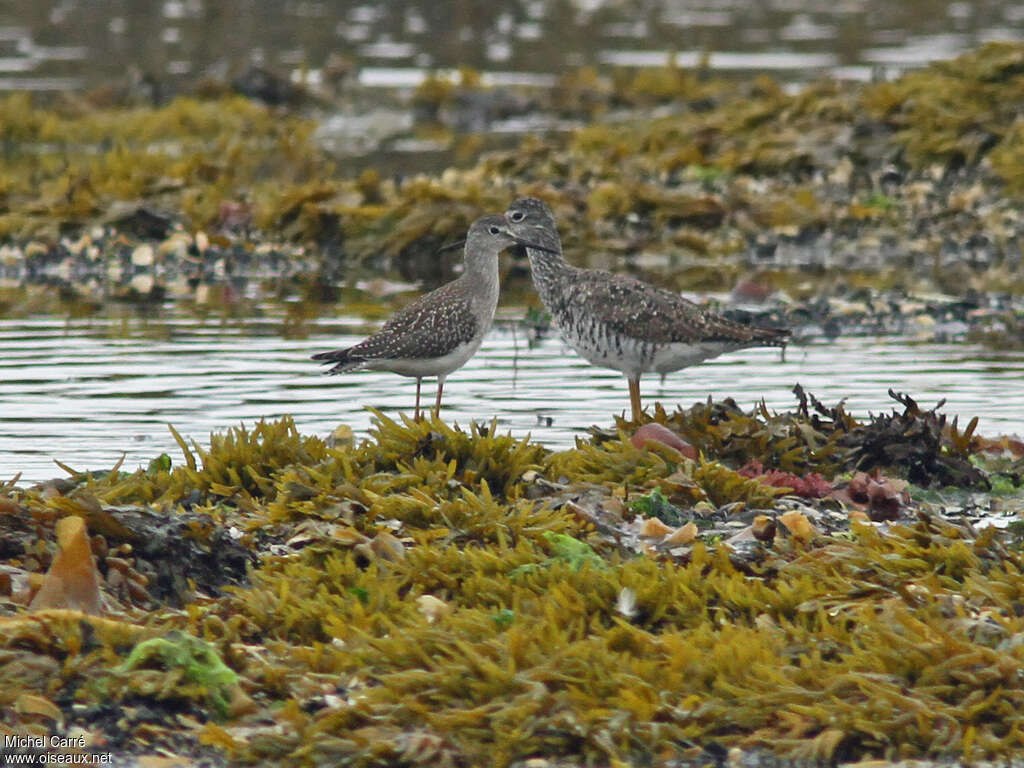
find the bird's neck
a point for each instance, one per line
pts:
(550, 271)
(482, 274)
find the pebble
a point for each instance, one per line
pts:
(142, 256)
(142, 283)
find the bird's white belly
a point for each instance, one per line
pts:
(626, 356)
(634, 356)
(427, 366)
(672, 357)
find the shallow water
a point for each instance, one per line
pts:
(84, 391)
(58, 44)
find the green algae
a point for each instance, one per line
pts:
(656, 504)
(577, 554)
(195, 660)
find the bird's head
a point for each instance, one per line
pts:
(532, 222)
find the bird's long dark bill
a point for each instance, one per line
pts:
(528, 244)
(450, 246)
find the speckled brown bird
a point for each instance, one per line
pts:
(440, 331)
(617, 321)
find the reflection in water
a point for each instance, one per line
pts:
(73, 392)
(56, 44)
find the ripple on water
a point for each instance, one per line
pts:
(69, 391)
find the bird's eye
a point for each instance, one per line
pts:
(494, 230)
(518, 216)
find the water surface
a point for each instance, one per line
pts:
(86, 391)
(51, 45)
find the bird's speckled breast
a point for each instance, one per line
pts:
(600, 344)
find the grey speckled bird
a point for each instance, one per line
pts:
(440, 331)
(617, 321)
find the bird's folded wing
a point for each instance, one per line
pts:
(633, 308)
(432, 326)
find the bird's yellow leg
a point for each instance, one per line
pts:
(437, 402)
(634, 398)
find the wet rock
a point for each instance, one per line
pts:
(269, 87)
(170, 554)
(138, 221)
(884, 498)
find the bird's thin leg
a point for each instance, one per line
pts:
(437, 403)
(634, 397)
(418, 381)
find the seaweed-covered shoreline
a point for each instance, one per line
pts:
(809, 587)
(911, 183)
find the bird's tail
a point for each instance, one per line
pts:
(772, 337)
(343, 357)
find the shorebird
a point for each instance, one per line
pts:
(617, 321)
(440, 331)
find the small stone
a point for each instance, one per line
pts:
(653, 528)
(39, 706)
(432, 608)
(142, 283)
(763, 529)
(685, 534)
(626, 603)
(798, 525)
(341, 437)
(35, 248)
(142, 256)
(387, 547)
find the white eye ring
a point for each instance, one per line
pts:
(518, 216)
(494, 230)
